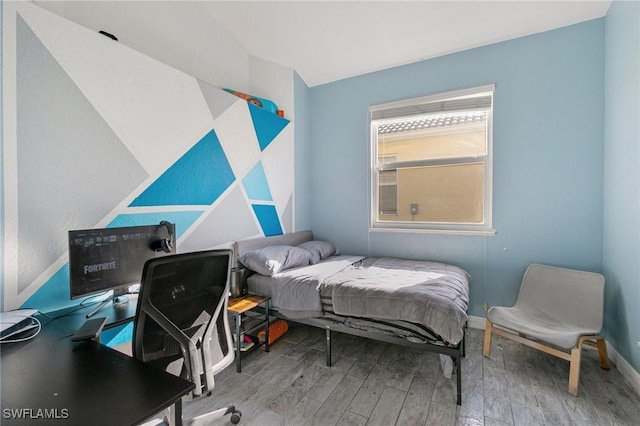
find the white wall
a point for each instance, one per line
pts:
(183, 35)
(179, 34)
(274, 82)
(73, 98)
(303, 157)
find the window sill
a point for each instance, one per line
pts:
(487, 232)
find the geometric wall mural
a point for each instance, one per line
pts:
(199, 177)
(105, 136)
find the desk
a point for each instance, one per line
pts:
(83, 383)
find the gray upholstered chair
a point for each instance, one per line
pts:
(558, 311)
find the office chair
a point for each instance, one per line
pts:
(181, 325)
(557, 311)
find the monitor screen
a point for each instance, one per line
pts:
(113, 258)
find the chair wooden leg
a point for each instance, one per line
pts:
(486, 350)
(602, 351)
(574, 369)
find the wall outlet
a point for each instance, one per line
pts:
(486, 308)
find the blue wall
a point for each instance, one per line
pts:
(622, 180)
(548, 166)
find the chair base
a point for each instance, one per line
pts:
(574, 357)
(204, 419)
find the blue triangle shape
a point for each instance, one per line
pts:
(266, 124)
(198, 178)
(256, 184)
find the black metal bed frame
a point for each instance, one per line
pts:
(455, 352)
(329, 325)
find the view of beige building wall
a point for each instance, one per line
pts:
(440, 193)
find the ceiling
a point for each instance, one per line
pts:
(325, 41)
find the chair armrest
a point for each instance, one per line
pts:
(189, 351)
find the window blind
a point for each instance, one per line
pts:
(477, 99)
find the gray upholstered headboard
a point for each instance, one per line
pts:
(292, 239)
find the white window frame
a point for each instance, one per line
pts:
(483, 228)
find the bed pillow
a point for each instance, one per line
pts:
(273, 259)
(319, 250)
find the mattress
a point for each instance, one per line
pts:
(417, 300)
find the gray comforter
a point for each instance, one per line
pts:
(429, 293)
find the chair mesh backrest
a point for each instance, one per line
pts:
(189, 291)
(569, 296)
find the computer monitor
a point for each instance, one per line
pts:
(108, 259)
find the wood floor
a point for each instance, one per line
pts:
(374, 383)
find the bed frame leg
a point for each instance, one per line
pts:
(464, 339)
(328, 349)
(458, 361)
(459, 380)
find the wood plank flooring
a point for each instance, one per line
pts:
(374, 383)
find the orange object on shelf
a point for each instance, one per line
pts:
(259, 102)
(276, 330)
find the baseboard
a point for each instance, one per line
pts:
(628, 372)
(626, 369)
(476, 322)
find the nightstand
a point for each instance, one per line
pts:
(249, 326)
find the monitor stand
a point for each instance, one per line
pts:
(118, 298)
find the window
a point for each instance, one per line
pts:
(388, 187)
(431, 162)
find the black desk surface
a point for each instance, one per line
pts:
(68, 320)
(83, 383)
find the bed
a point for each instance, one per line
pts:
(418, 304)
